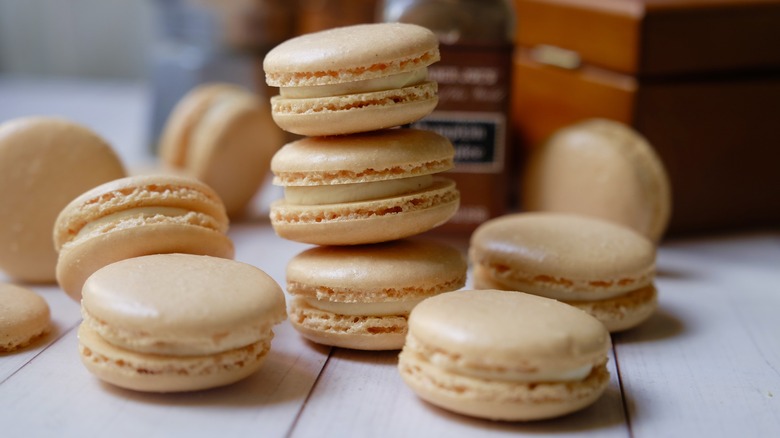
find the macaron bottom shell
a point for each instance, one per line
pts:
(348, 114)
(161, 373)
(364, 222)
(497, 399)
(348, 331)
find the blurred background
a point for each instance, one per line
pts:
(60, 37)
(699, 78)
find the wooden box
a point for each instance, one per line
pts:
(699, 78)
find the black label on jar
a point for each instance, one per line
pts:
(478, 138)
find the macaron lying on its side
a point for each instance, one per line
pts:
(360, 296)
(353, 79)
(135, 216)
(177, 322)
(224, 136)
(601, 267)
(504, 356)
(44, 163)
(363, 188)
(603, 169)
(24, 317)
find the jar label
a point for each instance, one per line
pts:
(478, 138)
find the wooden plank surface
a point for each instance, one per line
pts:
(708, 363)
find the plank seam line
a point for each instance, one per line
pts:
(308, 396)
(623, 397)
(57, 339)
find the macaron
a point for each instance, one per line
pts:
(177, 322)
(135, 216)
(504, 356)
(360, 296)
(604, 169)
(598, 266)
(44, 163)
(24, 317)
(353, 79)
(223, 135)
(363, 188)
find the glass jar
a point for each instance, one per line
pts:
(474, 91)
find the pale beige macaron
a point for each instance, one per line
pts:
(223, 135)
(135, 216)
(363, 188)
(353, 79)
(44, 163)
(24, 317)
(601, 267)
(504, 356)
(604, 169)
(360, 296)
(177, 322)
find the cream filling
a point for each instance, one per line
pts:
(335, 194)
(142, 212)
(364, 309)
(391, 82)
(178, 344)
(572, 375)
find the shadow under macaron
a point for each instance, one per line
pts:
(662, 324)
(280, 379)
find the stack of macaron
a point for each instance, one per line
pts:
(165, 307)
(359, 184)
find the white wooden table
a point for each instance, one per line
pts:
(706, 364)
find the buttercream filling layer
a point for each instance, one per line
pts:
(177, 344)
(482, 368)
(130, 213)
(387, 308)
(144, 215)
(341, 193)
(573, 375)
(391, 82)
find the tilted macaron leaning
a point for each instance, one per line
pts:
(223, 135)
(360, 296)
(177, 322)
(603, 169)
(44, 163)
(366, 188)
(601, 267)
(504, 356)
(353, 79)
(24, 317)
(135, 216)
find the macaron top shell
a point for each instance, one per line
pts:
(391, 271)
(44, 163)
(510, 332)
(140, 192)
(182, 304)
(374, 156)
(604, 169)
(565, 251)
(350, 53)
